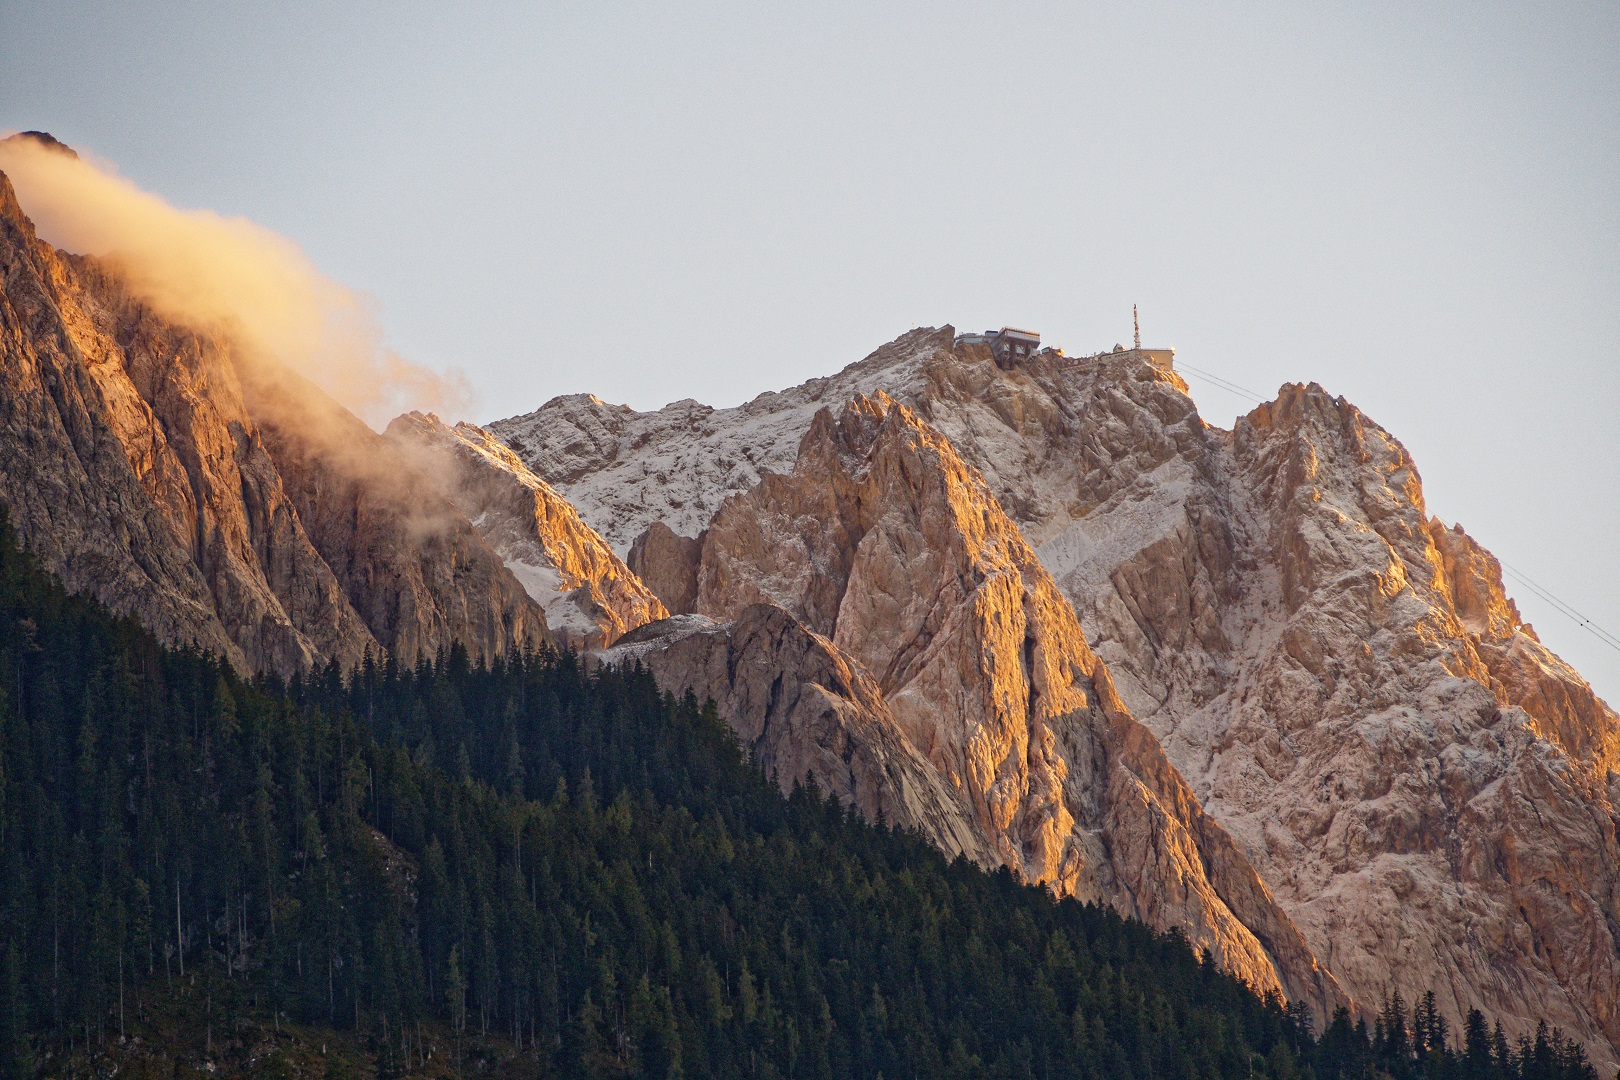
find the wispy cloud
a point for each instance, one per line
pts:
(229, 276)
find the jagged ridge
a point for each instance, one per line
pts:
(893, 553)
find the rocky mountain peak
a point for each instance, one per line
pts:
(45, 139)
(1341, 680)
(883, 544)
(230, 508)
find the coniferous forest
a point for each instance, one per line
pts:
(540, 870)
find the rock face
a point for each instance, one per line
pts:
(668, 565)
(805, 711)
(590, 598)
(252, 520)
(891, 551)
(1436, 766)
(1340, 679)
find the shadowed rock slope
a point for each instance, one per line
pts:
(255, 519)
(807, 713)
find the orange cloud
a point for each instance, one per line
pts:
(221, 275)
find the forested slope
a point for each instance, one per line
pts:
(562, 872)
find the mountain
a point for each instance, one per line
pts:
(884, 544)
(1340, 680)
(1237, 683)
(225, 505)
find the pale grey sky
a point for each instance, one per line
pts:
(1416, 205)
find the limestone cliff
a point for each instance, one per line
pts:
(1341, 678)
(589, 596)
(141, 469)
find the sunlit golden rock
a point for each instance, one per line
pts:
(589, 596)
(892, 551)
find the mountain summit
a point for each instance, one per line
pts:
(44, 138)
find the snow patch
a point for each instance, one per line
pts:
(544, 584)
(655, 637)
(623, 470)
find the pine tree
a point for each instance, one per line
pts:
(16, 1058)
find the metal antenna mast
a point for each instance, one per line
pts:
(1136, 324)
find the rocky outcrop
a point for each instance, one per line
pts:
(806, 713)
(139, 466)
(1521, 670)
(668, 564)
(589, 596)
(884, 543)
(1341, 679)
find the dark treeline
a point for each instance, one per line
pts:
(567, 861)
